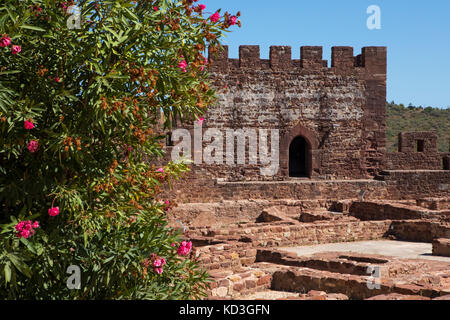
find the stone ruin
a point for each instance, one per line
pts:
(340, 218)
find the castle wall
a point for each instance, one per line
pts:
(340, 111)
(195, 190)
(416, 184)
(417, 151)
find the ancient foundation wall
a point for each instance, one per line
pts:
(390, 211)
(441, 247)
(201, 191)
(416, 184)
(419, 230)
(415, 161)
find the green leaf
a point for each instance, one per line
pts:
(9, 72)
(7, 271)
(24, 26)
(109, 259)
(29, 245)
(50, 261)
(19, 264)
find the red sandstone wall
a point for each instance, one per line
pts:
(419, 230)
(394, 185)
(441, 247)
(339, 110)
(415, 161)
(417, 184)
(195, 190)
(385, 211)
(412, 157)
(299, 235)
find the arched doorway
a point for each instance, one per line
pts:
(298, 158)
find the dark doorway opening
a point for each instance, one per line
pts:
(446, 163)
(298, 158)
(420, 146)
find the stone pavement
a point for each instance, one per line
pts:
(400, 249)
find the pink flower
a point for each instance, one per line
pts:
(158, 270)
(160, 170)
(183, 65)
(28, 125)
(232, 21)
(173, 244)
(33, 146)
(184, 248)
(25, 229)
(57, 79)
(200, 121)
(5, 41)
(187, 244)
(215, 17)
(155, 8)
(16, 49)
(20, 225)
(157, 263)
(53, 211)
(64, 6)
(205, 62)
(25, 233)
(201, 7)
(125, 146)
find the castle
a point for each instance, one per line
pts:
(333, 183)
(330, 122)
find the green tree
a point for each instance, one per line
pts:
(81, 94)
(401, 119)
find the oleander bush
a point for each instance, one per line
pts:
(83, 85)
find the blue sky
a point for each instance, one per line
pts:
(417, 34)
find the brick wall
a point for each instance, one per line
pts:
(434, 203)
(207, 190)
(417, 151)
(302, 234)
(441, 247)
(340, 111)
(415, 161)
(419, 230)
(387, 211)
(416, 184)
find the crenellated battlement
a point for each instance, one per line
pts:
(339, 109)
(372, 59)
